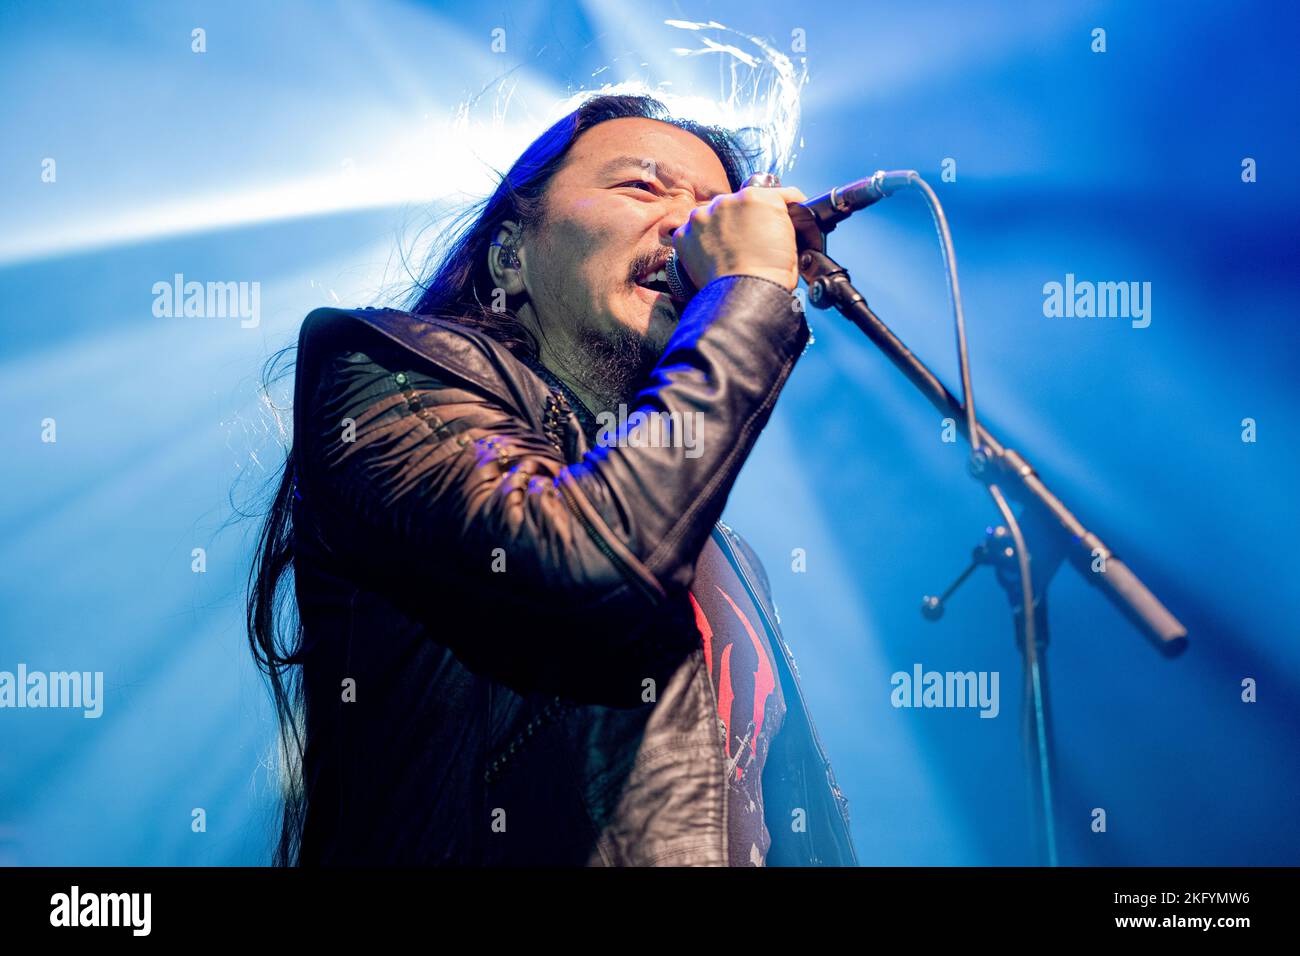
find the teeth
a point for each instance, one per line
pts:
(660, 276)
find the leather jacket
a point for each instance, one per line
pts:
(501, 665)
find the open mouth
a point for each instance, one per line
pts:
(656, 281)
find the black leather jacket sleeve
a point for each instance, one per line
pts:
(429, 486)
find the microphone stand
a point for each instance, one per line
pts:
(1055, 534)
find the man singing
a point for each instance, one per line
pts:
(523, 636)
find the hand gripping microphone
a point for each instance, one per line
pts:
(827, 210)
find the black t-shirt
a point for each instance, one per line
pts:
(751, 706)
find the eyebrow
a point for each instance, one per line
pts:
(666, 172)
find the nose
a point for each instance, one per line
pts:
(675, 217)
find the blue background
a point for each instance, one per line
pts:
(299, 152)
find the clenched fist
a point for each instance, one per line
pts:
(742, 233)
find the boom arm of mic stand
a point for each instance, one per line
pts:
(829, 285)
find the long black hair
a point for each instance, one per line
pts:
(459, 282)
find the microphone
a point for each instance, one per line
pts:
(828, 211)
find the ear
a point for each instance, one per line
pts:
(506, 275)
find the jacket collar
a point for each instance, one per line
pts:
(590, 426)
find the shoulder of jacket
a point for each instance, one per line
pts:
(465, 353)
(403, 328)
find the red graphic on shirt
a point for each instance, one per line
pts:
(706, 632)
(764, 678)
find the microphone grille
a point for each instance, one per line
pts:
(679, 283)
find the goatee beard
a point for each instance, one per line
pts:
(616, 365)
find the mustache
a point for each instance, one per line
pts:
(648, 262)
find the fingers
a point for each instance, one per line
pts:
(786, 194)
(748, 232)
(774, 196)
